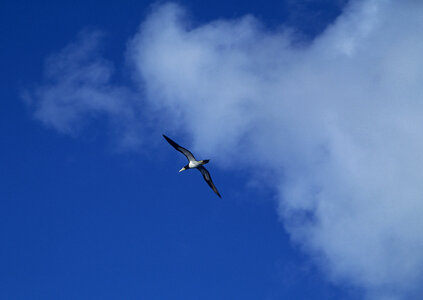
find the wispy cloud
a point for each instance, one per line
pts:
(338, 121)
(78, 88)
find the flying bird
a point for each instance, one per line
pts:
(193, 163)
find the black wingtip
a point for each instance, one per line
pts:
(170, 141)
(167, 139)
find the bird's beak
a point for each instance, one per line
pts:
(183, 169)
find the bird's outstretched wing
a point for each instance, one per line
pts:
(208, 179)
(184, 151)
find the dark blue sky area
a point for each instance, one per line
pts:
(80, 221)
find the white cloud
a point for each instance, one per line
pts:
(78, 88)
(339, 122)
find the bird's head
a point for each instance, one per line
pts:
(183, 169)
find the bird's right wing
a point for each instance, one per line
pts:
(207, 178)
(184, 151)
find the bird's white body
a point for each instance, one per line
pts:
(194, 164)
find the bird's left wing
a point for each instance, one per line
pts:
(207, 178)
(184, 151)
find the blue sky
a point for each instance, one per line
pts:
(319, 102)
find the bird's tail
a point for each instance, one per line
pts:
(203, 162)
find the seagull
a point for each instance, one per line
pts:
(193, 163)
